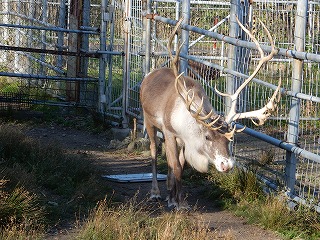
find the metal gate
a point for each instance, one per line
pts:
(62, 52)
(285, 151)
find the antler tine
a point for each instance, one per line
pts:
(229, 135)
(221, 93)
(181, 88)
(262, 114)
(263, 58)
(189, 102)
(232, 115)
(199, 110)
(169, 46)
(209, 125)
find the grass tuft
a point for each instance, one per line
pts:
(45, 185)
(134, 221)
(21, 215)
(242, 193)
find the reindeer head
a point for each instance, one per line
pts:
(217, 130)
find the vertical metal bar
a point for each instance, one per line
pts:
(243, 53)
(108, 91)
(185, 35)
(84, 61)
(62, 24)
(146, 37)
(85, 23)
(17, 63)
(102, 60)
(293, 126)
(126, 75)
(73, 63)
(43, 35)
(232, 55)
(5, 32)
(30, 33)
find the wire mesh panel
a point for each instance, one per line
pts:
(273, 165)
(45, 51)
(134, 58)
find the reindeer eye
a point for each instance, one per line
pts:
(208, 138)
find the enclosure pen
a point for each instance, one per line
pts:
(95, 53)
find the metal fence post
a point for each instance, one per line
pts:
(43, 36)
(185, 35)
(127, 56)
(84, 61)
(109, 59)
(102, 59)
(243, 54)
(146, 37)
(4, 34)
(297, 71)
(62, 24)
(234, 30)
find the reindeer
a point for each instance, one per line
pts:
(178, 106)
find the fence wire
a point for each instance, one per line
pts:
(40, 51)
(270, 162)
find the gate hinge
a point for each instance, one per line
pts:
(107, 16)
(150, 15)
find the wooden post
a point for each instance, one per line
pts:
(74, 44)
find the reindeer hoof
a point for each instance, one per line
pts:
(155, 198)
(183, 207)
(173, 204)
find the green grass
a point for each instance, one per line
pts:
(135, 221)
(241, 192)
(8, 86)
(43, 184)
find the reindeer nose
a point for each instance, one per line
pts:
(224, 167)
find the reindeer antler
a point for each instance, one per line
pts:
(189, 95)
(262, 114)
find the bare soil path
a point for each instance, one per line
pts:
(223, 224)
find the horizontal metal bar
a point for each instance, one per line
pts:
(93, 54)
(56, 69)
(256, 80)
(298, 199)
(53, 29)
(54, 78)
(281, 144)
(106, 52)
(55, 52)
(238, 42)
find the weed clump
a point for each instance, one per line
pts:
(42, 184)
(135, 221)
(242, 193)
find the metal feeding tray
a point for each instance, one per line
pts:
(138, 177)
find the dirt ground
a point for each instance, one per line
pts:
(223, 224)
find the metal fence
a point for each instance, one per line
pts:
(95, 54)
(59, 52)
(284, 152)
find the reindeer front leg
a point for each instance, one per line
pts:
(175, 165)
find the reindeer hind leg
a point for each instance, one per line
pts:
(155, 191)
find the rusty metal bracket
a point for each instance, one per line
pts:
(150, 15)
